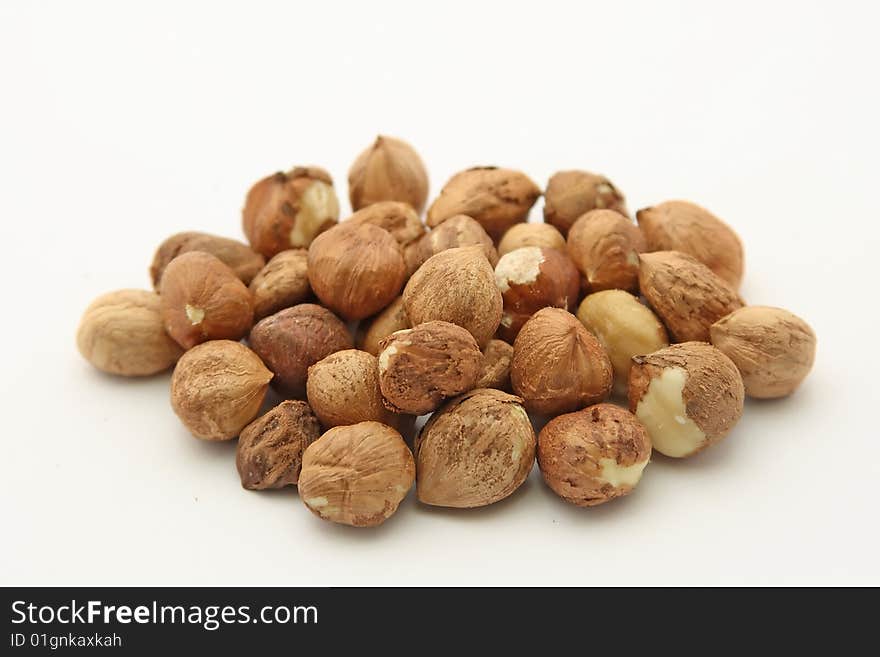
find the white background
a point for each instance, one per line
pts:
(120, 124)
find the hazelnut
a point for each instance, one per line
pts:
(688, 396)
(476, 450)
(421, 366)
(496, 198)
(287, 210)
(202, 299)
(270, 448)
(356, 475)
(372, 330)
(217, 389)
(456, 231)
(535, 234)
(238, 256)
(688, 228)
(605, 247)
(688, 296)
(594, 455)
(571, 194)
(356, 269)
(496, 366)
(772, 348)
(282, 283)
(122, 333)
(397, 218)
(457, 286)
(625, 327)
(343, 388)
(532, 278)
(389, 170)
(558, 366)
(294, 339)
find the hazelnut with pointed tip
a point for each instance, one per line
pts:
(389, 170)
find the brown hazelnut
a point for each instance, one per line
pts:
(571, 194)
(456, 231)
(372, 330)
(202, 299)
(422, 366)
(605, 247)
(343, 388)
(532, 278)
(397, 218)
(287, 210)
(294, 339)
(496, 198)
(594, 455)
(476, 450)
(217, 389)
(496, 366)
(282, 283)
(533, 234)
(356, 475)
(122, 333)
(389, 170)
(238, 256)
(457, 286)
(688, 296)
(688, 228)
(270, 448)
(356, 269)
(558, 366)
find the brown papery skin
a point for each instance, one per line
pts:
(238, 256)
(571, 194)
(605, 247)
(496, 366)
(389, 170)
(396, 217)
(269, 452)
(371, 331)
(224, 306)
(688, 296)
(532, 234)
(456, 231)
(688, 228)
(571, 446)
(282, 283)
(496, 198)
(476, 450)
(558, 366)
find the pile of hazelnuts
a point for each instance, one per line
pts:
(485, 323)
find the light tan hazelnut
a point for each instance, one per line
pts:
(496, 198)
(389, 170)
(476, 450)
(288, 210)
(625, 327)
(456, 231)
(688, 228)
(533, 234)
(605, 247)
(269, 453)
(496, 366)
(397, 218)
(372, 330)
(457, 286)
(571, 194)
(343, 388)
(356, 269)
(217, 389)
(594, 455)
(688, 396)
(532, 278)
(356, 475)
(294, 339)
(558, 366)
(122, 333)
(422, 366)
(202, 299)
(238, 256)
(688, 296)
(772, 348)
(282, 283)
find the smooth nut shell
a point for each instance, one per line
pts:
(389, 170)
(571, 194)
(605, 247)
(397, 218)
(380, 326)
(282, 283)
(456, 231)
(532, 234)
(496, 366)
(238, 256)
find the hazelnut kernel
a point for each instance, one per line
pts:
(238, 256)
(282, 283)
(496, 366)
(399, 219)
(372, 330)
(605, 247)
(454, 232)
(571, 194)
(532, 234)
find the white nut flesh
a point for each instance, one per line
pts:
(663, 413)
(318, 205)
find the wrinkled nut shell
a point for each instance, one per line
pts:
(558, 366)
(202, 299)
(594, 455)
(356, 475)
(389, 170)
(476, 450)
(397, 218)
(372, 331)
(269, 452)
(282, 283)
(123, 333)
(772, 348)
(496, 198)
(422, 366)
(496, 366)
(217, 389)
(535, 234)
(571, 194)
(688, 296)
(605, 247)
(238, 256)
(456, 231)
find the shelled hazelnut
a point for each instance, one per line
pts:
(399, 219)
(238, 256)
(456, 231)
(532, 234)
(389, 170)
(571, 194)
(605, 247)
(496, 366)
(282, 283)
(372, 330)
